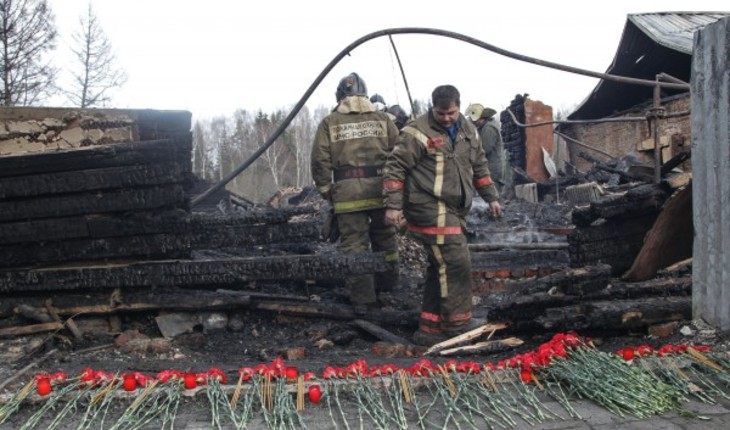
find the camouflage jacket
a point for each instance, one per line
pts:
(432, 179)
(348, 154)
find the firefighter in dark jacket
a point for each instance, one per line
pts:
(348, 154)
(429, 180)
(483, 119)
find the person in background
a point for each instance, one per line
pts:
(429, 180)
(483, 119)
(348, 155)
(396, 113)
(378, 102)
(400, 116)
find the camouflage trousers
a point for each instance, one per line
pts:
(366, 231)
(447, 294)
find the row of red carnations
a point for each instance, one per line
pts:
(358, 369)
(190, 380)
(556, 348)
(630, 352)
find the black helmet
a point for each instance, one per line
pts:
(401, 117)
(351, 85)
(377, 98)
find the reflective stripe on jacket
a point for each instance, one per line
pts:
(432, 179)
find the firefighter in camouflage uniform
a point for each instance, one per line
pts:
(429, 180)
(349, 151)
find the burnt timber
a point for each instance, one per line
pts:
(215, 272)
(115, 219)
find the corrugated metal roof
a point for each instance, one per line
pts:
(651, 43)
(674, 29)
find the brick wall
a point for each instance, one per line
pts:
(537, 138)
(623, 138)
(25, 130)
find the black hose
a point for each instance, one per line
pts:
(414, 30)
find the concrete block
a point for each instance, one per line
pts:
(175, 324)
(73, 136)
(24, 127)
(118, 134)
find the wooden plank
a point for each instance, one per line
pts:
(169, 300)
(484, 247)
(94, 226)
(94, 157)
(465, 337)
(380, 332)
(94, 179)
(518, 258)
(668, 241)
(487, 346)
(221, 272)
(147, 246)
(617, 314)
(164, 196)
(177, 240)
(69, 323)
(338, 311)
(203, 230)
(30, 329)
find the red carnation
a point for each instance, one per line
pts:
(246, 373)
(526, 375)
(627, 353)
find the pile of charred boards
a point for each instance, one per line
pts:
(104, 230)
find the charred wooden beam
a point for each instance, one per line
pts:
(187, 273)
(339, 312)
(201, 230)
(617, 314)
(533, 301)
(269, 215)
(148, 246)
(170, 300)
(156, 197)
(485, 247)
(518, 258)
(575, 281)
(675, 161)
(615, 242)
(102, 302)
(670, 286)
(210, 233)
(605, 167)
(380, 332)
(30, 329)
(668, 241)
(93, 179)
(94, 157)
(636, 202)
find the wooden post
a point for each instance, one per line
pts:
(710, 116)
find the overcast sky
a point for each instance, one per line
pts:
(214, 56)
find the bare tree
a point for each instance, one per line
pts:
(96, 71)
(304, 129)
(27, 34)
(204, 154)
(275, 155)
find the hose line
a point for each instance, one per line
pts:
(415, 30)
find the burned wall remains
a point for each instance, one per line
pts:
(635, 138)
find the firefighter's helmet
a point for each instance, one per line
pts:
(351, 85)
